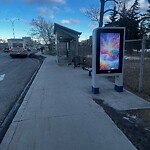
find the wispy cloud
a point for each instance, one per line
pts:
(45, 1)
(45, 12)
(65, 21)
(70, 21)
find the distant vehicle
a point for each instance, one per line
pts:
(17, 47)
(6, 50)
(29, 49)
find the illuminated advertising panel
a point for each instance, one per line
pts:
(109, 50)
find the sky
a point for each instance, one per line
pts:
(64, 12)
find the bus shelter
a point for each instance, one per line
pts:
(66, 41)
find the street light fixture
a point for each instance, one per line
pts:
(12, 22)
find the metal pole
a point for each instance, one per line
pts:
(142, 64)
(13, 27)
(12, 21)
(77, 46)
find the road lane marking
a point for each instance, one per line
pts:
(2, 77)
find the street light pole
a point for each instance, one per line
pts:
(12, 22)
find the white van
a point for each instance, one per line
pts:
(17, 47)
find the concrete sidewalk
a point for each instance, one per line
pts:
(58, 113)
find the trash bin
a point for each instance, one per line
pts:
(76, 61)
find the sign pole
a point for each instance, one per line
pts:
(119, 83)
(95, 85)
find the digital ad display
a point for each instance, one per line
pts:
(109, 50)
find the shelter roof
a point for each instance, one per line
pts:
(58, 27)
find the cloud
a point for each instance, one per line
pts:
(45, 12)
(143, 4)
(65, 21)
(70, 21)
(106, 18)
(45, 1)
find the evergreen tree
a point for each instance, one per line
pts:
(129, 18)
(134, 21)
(145, 22)
(124, 19)
(133, 11)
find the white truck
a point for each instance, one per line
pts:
(17, 47)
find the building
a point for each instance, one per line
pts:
(87, 42)
(28, 41)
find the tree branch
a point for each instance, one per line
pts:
(108, 10)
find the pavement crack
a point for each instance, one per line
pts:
(56, 116)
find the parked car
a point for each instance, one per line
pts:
(6, 50)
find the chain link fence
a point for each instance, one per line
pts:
(137, 66)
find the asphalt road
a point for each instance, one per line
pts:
(15, 73)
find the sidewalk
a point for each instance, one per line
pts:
(58, 113)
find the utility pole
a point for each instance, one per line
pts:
(13, 22)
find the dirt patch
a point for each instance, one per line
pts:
(143, 115)
(135, 124)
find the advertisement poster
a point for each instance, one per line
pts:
(109, 51)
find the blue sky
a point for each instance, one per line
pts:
(65, 12)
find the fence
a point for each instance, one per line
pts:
(85, 53)
(136, 65)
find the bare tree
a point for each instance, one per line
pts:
(43, 30)
(97, 14)
(2, 41)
